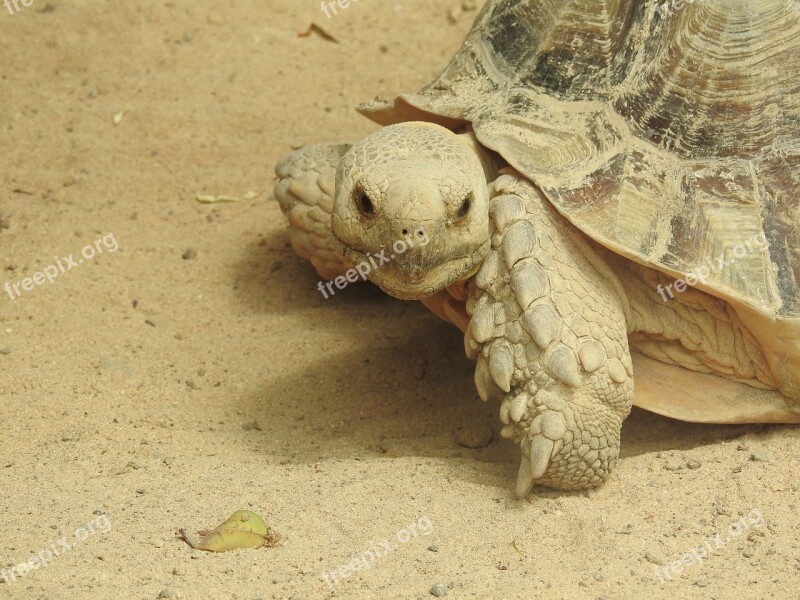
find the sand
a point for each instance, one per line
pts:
(189, 368)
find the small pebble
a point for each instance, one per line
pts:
(693, 464)
(702, 582)
(478, 435)
(189, 254)
(190, 383)
(454, 14)
(673, 466)
(6, 350)
(722, 508)
(760, 456)
(165, 594)
(276, 266)
(439, 590)
(433, 548)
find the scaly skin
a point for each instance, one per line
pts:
(418, 180)
(568, 385)
(550, 312)
(305, 194)
(548, 330)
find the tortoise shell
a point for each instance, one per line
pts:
(667, 132)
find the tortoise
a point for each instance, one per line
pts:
(597, 194)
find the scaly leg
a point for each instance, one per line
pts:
(305, 192)
(548, 327)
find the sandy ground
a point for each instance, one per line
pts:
(149, 388)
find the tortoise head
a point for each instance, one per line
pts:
(411, 209)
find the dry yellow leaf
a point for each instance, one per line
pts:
(243, 529)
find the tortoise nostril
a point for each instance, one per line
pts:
(405, 231)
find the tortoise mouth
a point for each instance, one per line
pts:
(408, 280)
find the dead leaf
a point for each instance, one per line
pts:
(314, 28)
(243, 529)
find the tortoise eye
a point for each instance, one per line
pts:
(464, 209)
(364, 204)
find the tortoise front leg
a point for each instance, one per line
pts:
(548, 329)
(305, 191)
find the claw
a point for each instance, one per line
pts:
(524, 478)
(482, 323)
(484, 383)
(501, 365)
(541, 452)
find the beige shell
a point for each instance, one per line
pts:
(669, 135)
